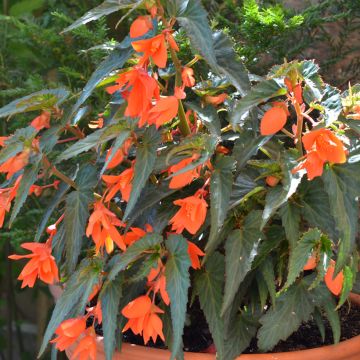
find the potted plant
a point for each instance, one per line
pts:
(194, 189)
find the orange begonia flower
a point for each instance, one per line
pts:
(334, 284)
(272, 180)
(157, 282)
(136, 234)
(181, 180)
(119, 155)
(194, 253)
(139, 98)
(143, 319)
(311, 263)
(42, 121)
(3, 139)
(191, 215)
(187, 76)
(120, 183)
(15, 164)
(298, 93)
(165, 109)
(68, 332)
(322, 146)
(42, 264)
(7, 195)
(140, 26)
(273, 121)
(102, 228)
(154, 48)
(86, 349)
(217, 99)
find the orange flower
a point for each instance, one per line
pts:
(311, 263)
(2, 140)
(136, 234)
(86, 349)
(187, 76)
(164, 111)
(15, 164)
(272, 180)
(181, 180)
(143, 319)
(141, 26)
(41, 265)
(273, 120)
(322, 146)
(68, 332)
(42, 121)
(298, 93)
(7, 195)
(334, 284)
(157, 282)
(143, 89)
(120, 183)
(216, 100)
(191, 215)
(194, 253)
(119, 155)
(102, 228)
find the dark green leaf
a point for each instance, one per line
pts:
(290, 217)
(114, 61)
(301, 253)
(194, 20)
(332, 104)
(144, 165)
(347, 285)
(267, 272)
(110, 299)
(208, 286)
(246, 146)
(177, 285)
(147, 242)
(241, 187)
(74, 298)
(44, 99)
(333, 317)
(261, 92)
(292, 308)
(28, 179)
(229, 64)
(240, 250)
(220, 190)
(106, 8)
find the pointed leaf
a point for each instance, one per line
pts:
(208, 286)
(177, 286)
(290, 217)
(332, 104)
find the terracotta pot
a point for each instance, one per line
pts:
(345, 350)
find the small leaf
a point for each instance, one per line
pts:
(261, 92)
(177, 285)
(301, 253)
(147, 242)
(333, 317)
(41, 100)
(208, 286)
(220, 190)
(347, 285)
(110, 299)
(240, 250)
(28, 179)
(106, 8)
(144, 165)
(73, 300)
(267, 272)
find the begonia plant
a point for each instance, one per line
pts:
(198, 180)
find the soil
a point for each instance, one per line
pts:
(197, 338)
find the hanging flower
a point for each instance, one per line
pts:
(334, 284)
(157, 282)
(217, 99)
(141, 26)
(191, 215)
(119, 155)
(143, 319)
(122, 183)
(42, 121)
(185, 178)
(321, 146)
(187, 76)
(7, 195)
(135, 234)
(42, 264)
(86, 349)
(194, 253)
(68, 332)
(102, 228)
(15, 164)
(154, 48)
(274, 120)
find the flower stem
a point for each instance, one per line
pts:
(299, 124)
